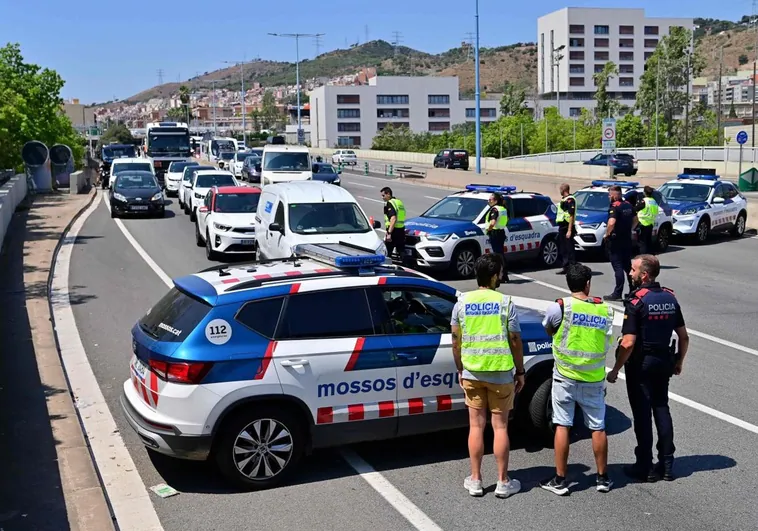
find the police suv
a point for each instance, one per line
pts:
(450, 235)
(593, 203)
(703, 204)
(234, 364)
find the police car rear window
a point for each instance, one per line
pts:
(173, 317)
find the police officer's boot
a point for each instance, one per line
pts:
(665, 468)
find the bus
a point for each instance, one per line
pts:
(167, 142)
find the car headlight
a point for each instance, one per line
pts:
(219, 226)
(198, 196)
(437, 237)
(591, 226)
(157, 197)
(336, 181)
(382, 249)
(119, 197)
(692, 210)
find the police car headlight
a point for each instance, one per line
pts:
(382, 249)
(437, 237)
(591, 226)
(219, 226)
(691, 210)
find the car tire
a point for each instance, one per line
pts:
(161, 213)
(198, 237)
(464, 258)
(739, 225)
(193, 215)
(664, 238)
(548, 255)
(113, 213)
(286, 430)
(702, 231)
(541, 411)
(210, 254)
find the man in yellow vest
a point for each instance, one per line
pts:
(647, 212)
(497, 222)
(565, 218)
(486, 348)
(394, 223)
(581, 327)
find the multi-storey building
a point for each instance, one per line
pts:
(575, 43)
(353, 115)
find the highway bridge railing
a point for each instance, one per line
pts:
(677, 153)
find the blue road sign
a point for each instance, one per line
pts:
(741, 137)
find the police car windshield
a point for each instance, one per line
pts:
(236, 203)
(327, 218)
(681, 192)
(457, 208)
(592, 200)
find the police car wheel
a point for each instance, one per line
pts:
(703, 228)
(739, 226)
(463, 261)
(549, 252)
(259, 449)
(664, 236)
(541, 411)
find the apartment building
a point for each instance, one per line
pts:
(575, 43)
(736, 93)
(351, 116)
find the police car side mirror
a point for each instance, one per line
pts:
(275, 227)
(718, 200)
(377, 224)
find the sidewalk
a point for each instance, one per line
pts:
(48, 479)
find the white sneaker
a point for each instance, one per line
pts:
(474, 487)
(507, 488)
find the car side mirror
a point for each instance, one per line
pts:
(718, 200)
(377, 224)
(203, 209)
(275, 227)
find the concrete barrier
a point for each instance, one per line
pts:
(81, 181)
(11, 194)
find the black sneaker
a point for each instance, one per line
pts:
(639, 474)
(506, 280)
(556, 486)
(664, 472)
(560, 272)
(603, 483)
(611, 297)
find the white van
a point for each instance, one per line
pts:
(311, 212)
(283, 164)
(127, 164)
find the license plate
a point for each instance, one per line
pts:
(138, 207)
(140, 368)
(247, 242)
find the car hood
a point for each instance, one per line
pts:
(143, 193)
(591, 216)
(678, 206)
(326, 177)
(421, 226)
(533, 335)
(239, 220)
(367, 240)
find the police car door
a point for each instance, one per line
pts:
(329, 356)
(664, 211)
(719, 207)
(418, 319)
(524, 238)
(732, 202)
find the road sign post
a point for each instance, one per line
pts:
(609, 142)
(741, 139)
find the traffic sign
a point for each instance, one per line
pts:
(741, 137)
(609, 136)
(301, 135)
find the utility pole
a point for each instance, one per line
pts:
(160, 76)
(317, 44)
(657, 80)
(365, 32)
(470, 44)
(556, 58)
(397, 38)
(687, 105)
(297, 36)
(478, 97)
(755, 28)
(242, 96)
(718, 114)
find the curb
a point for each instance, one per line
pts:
(84, 494)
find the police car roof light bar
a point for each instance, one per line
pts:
(491, 188)
(340, 255)
(689, 176)
(622, 184)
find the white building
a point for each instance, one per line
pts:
(736, 91)
(352, 115)
(587, 38)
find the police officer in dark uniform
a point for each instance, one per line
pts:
(497, 221)
(652, 314)
(618, 239)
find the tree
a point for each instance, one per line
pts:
(742, 59)
(732, 111)
(513, 100)
(255, 115)
(270, 114)
(630, 132)
(118, 133)
(30, 109)
(176, 114)
(606, 106)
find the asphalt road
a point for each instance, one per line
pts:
(112, 286)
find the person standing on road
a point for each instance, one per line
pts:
(651, 315)
(497, 219)
(394, 223)
(647, 212)
(565, 218)
(486, 347)
(581, 327)
(618, 240)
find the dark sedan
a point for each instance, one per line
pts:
(621, 162)
(323, 171)
(136, 192)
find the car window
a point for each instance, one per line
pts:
(304, 318)
(218, 179)
(173, 317)
(457, 208)
(327, 218)
(207, 200)
(414, 311)
(526, 207)
(729, 190)
(261, 316)
(659, 198)
(279, 218)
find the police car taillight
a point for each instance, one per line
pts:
(185, 372)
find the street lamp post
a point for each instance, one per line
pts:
(242, 96)
(297, 36)
(556, 60)
(478, 96)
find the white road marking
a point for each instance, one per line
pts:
(373, 200)
(435, 198)
(380, 484)
(127, 494)
(389, 492)
(360, 184)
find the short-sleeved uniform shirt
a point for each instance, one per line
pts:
(569, 206)
(637, 315)
(389, 210)
(623, 213)
(493, 214)
(509, 318)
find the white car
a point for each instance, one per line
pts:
(345, 156)
(174, 176)
(185, 188)
(241, 146)
(202, 183)
(282, 163)
(124, 164)
(225, 221)
(238, 163)
(295, 213)
(703, 204)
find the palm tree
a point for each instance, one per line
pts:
(184, 97)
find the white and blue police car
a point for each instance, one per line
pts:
(593, 203)
(255, 365)
(703, 204)
(450, 235)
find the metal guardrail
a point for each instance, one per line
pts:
(681, 153)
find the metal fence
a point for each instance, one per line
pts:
(702, 154)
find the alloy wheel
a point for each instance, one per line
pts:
(262, 449)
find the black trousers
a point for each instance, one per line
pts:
(497, 240)
(646, 239)
(396, 242)
(647, 386)
(566, 246)
(621, 261)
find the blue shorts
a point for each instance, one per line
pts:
(590, 397)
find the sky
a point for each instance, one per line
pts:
(111, 50)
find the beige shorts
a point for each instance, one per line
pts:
(497, 397)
